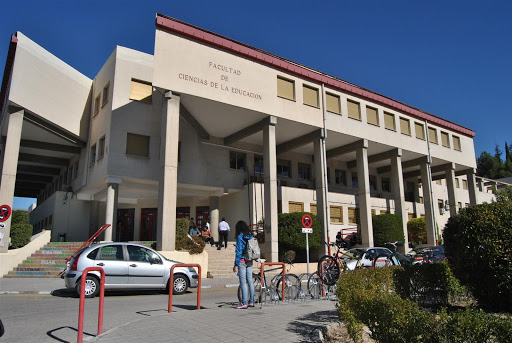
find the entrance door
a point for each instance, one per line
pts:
(124, 230)
(148, 224)
(202, 216)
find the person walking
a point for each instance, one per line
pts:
(223, 234)
(243, 267)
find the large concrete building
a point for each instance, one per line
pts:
(209, 127)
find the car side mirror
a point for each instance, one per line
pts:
(155, 260)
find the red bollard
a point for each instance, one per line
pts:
(82, 302)
(171, 281)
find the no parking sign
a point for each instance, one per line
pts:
(5, 212)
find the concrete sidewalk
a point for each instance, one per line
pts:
(304, 322)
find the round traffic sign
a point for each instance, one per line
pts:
(5, 212)
(307, 221)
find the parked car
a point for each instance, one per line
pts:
(366, 255)
(127, 266)
(429, 253)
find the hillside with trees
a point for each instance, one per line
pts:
(493, 166)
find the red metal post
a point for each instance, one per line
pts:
(82, 302)
(273, 264)
(90, 240)
(171, 282)
(329, 245)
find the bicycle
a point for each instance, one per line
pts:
(330, 268)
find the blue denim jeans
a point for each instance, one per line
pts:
(245, 276)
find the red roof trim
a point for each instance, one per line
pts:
(7, 71)
(290, 67)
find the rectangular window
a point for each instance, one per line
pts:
(97, 105)
(464, 184)
(258, 165)
(341, 177)
(445, 140)
(75, 170)
(310, 96)
(373, 182)
(353, 215)
(141, 91)
(456, 143)
(106, 91)
(295, 207)
(355, 182)
(432, 135)
(385, 184)
(405, 129)
(336, 214)
(237, 160)
(283, 168)
(372, 116)
(313, 209)
(101, 147)
(440, 205)
(92, 158)
(333, 103)
(304, 172)
(137, 145)
(459, 206)
(420, 133)
(285, 88)
(457, 183)
(439, 182)
(389, 121)
(354, 110)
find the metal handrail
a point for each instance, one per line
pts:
(82, 302)
(171, 282)
(90, 240)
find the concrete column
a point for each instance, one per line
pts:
(111, 207)
(321, 189)
(397, 184)
(363, 179)
(450, 185)
(426, 184)
(270, 194)
(168, 182)
(9, 168)
(214, 217)
(473, 193)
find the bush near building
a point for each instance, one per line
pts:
(21, 230)
(194, 245)
(417, 230)
(371, 298)
(291, 237)
(478, 245)
(387, 227)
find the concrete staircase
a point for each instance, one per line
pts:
(220, 262)
(47, 262)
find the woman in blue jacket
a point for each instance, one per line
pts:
(242, 267)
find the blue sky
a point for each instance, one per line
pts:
(449, 58)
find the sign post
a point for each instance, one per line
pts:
(307, 223)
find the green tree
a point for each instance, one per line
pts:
(387, 228)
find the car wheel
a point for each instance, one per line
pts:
(92, 287)
(180, 284)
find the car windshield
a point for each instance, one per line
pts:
(354, 253)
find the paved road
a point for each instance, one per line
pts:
(142, 317)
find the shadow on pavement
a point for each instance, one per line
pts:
(51, 334)
(308, 325)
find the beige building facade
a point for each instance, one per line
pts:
(208, 127)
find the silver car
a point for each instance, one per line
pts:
(126, 266)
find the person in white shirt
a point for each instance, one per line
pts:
(223, 234)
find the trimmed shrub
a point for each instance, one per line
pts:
(478, 245)
(20, 217)
(291, 236)
(417, 230)
(387, 228)
(194, 245)
(20, 235)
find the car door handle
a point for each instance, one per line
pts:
(101, 264)
(133, 265)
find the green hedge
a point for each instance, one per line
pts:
(387, 228)
(367, 298)
(20, 235)
(20, 217)
(417, 229)
(291, 236)
(183, 242)
(478, 245)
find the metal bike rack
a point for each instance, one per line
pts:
(82, 302)
(262, 277)
(171, 282)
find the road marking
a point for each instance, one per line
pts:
(232, 285)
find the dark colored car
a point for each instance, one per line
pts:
(430, 254)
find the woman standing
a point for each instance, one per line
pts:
(242, 267)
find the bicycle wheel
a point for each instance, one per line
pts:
(270, 296)
(291, 280)
(303, 278)
(292, 293)
(383, 260)
(315, 286)
(329, 270)
(257, 287)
